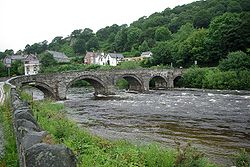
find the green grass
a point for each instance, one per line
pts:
(10, 157)
(92, 150)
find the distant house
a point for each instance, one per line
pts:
(93, 58)
(31, 65)
(113, 59)
(90, 58)
(59, 56)
(146, 54)
(7, 61)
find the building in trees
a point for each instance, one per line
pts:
(112, 59)
(147, 54)
(31, 65)
(60, 57)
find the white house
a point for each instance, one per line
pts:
(31, 65)
(146, 54)
(113, 59)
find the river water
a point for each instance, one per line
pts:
(217, 124)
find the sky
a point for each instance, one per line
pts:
(25, 22)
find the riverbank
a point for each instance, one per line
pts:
(92, 150)
(7, 137)
(1, 127)
(216, 91)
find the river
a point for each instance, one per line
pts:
(216, 123)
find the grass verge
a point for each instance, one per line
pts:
(92, 150)
(10, 157)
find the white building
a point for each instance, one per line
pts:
(146, 54)
(113, 59)
(31, 65)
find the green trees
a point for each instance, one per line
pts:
(236, 61)
(225, 35)
(162, 34)
(3, 71)
(47, 60)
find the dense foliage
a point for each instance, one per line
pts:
(203, 31)
(216, 79)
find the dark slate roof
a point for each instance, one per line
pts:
(59, 56)
(116, 55)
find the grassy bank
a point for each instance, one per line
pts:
(10, 157)
(95, 151)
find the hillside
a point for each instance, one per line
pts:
(203, 31)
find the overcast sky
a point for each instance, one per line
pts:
(29, 21)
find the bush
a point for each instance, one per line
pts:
(236, 61)
(242, 159)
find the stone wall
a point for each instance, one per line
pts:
(32, 149)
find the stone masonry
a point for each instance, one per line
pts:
(56, 85)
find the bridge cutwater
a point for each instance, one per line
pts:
(55, 85)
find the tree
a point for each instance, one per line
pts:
(162, 34)
(47, 60)
(234, 6)
(121, 40)
(237, 61)
(17, 68)
(134, 36)
(3, 72)
(225, 35)
(193, 48)
(162, 53)
(92, 44)
(202, 19)
(144, 47)
(79, 46)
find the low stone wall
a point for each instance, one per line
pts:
(31, 146)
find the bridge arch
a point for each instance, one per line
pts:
(158, 82)
(134, 82)
(46, 89)
(178, 81)
(97, 83)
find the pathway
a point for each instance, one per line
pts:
(1, 128)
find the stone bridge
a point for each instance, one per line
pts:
(56, 85)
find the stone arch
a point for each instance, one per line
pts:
(46, 89)
(97, 83)
(177, 81)
(134, 82)
(158, 82)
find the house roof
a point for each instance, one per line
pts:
(116, 55)
(146, 54)
(59, 56)
(31, 59)
(18, 57)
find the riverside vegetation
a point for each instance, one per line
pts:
(10, 157)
